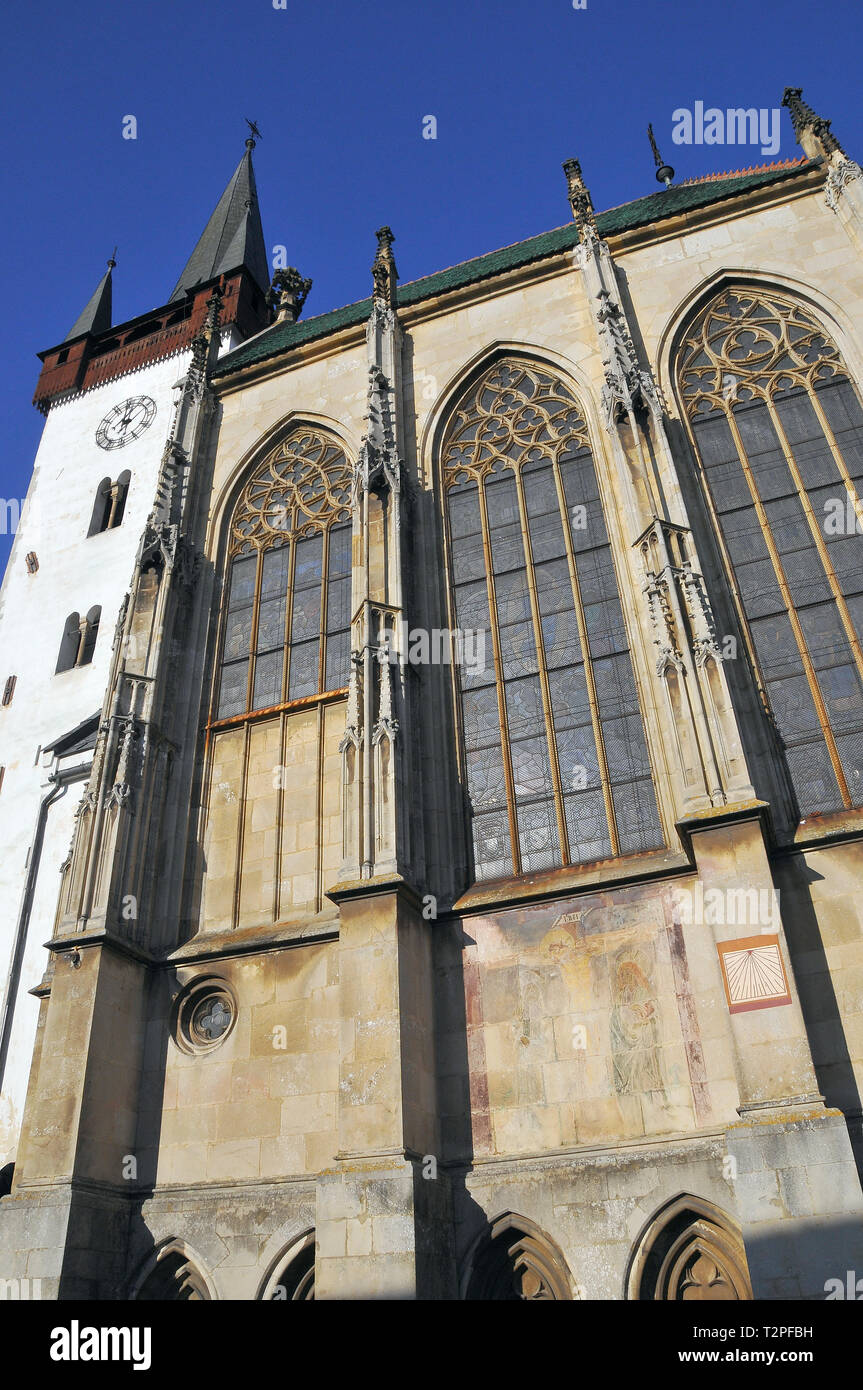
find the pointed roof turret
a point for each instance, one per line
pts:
(233, 237)
(95, 317)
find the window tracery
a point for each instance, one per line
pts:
(778, 427)
(286, 629)
(555, 757)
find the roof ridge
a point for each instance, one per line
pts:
(740, 173)
(495, 251)
(650, 207)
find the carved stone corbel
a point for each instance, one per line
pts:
(840, 174)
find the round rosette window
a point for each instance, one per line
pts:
(205, 1013)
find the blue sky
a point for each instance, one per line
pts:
(340, 91)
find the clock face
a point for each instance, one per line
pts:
(125, 422)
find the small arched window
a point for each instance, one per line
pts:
(555, 757)
(79, 640)
(88, 644)
(778, 428)
(9, 689)
(110, 504)
(31, 561)
(122, 492)
(69, 644)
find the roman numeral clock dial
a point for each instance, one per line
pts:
(125, 422)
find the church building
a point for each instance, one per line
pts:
(431, 768)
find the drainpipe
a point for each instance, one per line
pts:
(61, 781)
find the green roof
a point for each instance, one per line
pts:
(281, 337)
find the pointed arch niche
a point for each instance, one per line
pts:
(555, 760)
(292, 1277)
(272, 839)
(515, 1261)
(777, 426)
(689, 1252)
(172, 1274)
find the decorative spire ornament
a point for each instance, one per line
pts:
(288, 293)
(580, 200)
(664, 172)
(384, 271)
(811, 130)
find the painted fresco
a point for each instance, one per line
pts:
(583, 1023)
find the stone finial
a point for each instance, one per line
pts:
(580, 200)
(288, 294)
(214, 311)
(811, 130)
(384, 271)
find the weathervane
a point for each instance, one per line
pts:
(664, 172)
(255, 135)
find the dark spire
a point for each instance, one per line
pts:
(233, 237)
(579, 199)
(807, 125)
(96, 314)
(664, 172)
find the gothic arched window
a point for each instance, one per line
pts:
(287, 619)
(272, 842)
(556, 762)
(778, 428)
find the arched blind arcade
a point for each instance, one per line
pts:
(779, 429)
(555, 758)
(287, 619)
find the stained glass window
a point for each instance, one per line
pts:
(287, 616)
(555, 756)
(778, 427)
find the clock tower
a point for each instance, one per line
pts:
(108, 393)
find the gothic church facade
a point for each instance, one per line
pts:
(465, 791)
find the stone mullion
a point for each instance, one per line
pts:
(322, 645)
(831, 439)
(782, 581)
(818, 537)
(590, 681)
(732, 580)
(253, 635)
(851, 486)
(241, 826)
(554, 762)
(319, 803)
(280, 816)
(499, 684)
(289, 616)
